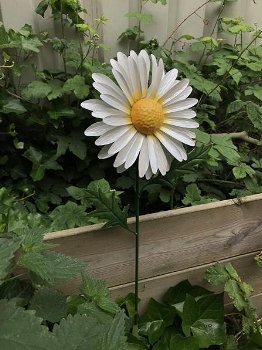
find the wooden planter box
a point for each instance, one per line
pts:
(175, 245)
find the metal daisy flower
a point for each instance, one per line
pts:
(142, 118)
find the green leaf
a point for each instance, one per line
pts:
(42, 7)
(8, 247)
(181, 343)
(49, 304)
(51, 267)
(225, 146)
(97, 291)
(242, 170)
(204, 318)
(143, 17)
(41, 163)
(193, 196)
(217, 274)
(13, 105)
(106, 203)
(115, 338)
(176, 296)
(36, 89)
(155, 320)
(235, 106)
(78, 86)
(21, 329)
(72, 143)
(69, 215)
(208, 332)
(79, 332)
(234, 292)
(231, 344)
(254, 113)
(190, 314)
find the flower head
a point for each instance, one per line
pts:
(142, 118)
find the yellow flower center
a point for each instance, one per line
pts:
(147, 116)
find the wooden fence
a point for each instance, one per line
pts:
(202, 18)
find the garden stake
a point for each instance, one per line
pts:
(137, 202)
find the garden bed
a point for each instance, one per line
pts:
(175, 245)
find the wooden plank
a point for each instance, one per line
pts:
(170, 241)
(156, 287)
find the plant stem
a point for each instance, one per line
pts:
(137, 202)
(184, 20)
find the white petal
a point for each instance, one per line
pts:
(122, 155)
(107, 82)
(93, 105)
(161, 157)
(143, 161)
(146, 58)
(175, 90)
(180, 106)
(134, 151)
(108, 111)
(167, 82)
(123, 85)
(149, 173)
(134, 74)
(106, 90)
(116, 120)
(122, 141)
(180, 135)
(184, 123)
(112, 101)
(157, 74)
(186, 114)
(180, 97)
(112, 135)
(120, 169)
(143, 72)
(97, 129)
(103, 154)
(174, 147)
(152, 154)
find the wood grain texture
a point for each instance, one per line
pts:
(156, 287)
(170, 241)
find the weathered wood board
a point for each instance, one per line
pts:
(175, 245)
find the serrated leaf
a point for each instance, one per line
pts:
(106, 203)
(242, 170)
(51, 267)
(69, 215)
(217, 274)
(21, 329)
(78, 86)
(79, 332)
(97, 291)
(49, 304)
(115, 338)
(8, 247)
